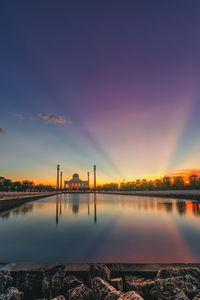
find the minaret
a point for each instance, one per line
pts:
(58, 170)
(88, 175)
(61, 181)
(94, 177)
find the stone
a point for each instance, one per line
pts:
(139, 284)
(5, 281)
(179, 287)
(58, 279)
(197, 297)
(174, 272)
(71, 282)
(53, 281)
(30, 282)
(99, 270)
(131, 296)
(117, 283)
(12, 293)
(103, 290)
(81, 292)
(59, 298)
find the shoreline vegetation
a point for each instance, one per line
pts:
(7, 185)
(161, 184)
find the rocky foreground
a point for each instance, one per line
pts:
(100, 284)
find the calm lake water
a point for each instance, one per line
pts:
(101, 228)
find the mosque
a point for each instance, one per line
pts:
(75, 183)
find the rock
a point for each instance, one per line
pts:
(117, 283)
(59, 298)
(179, 287)
(99, 270)
(30, 282)
(197, 297)
(174, 272)
(81, 292)
(5, 281)
(103, 290)
(131, 296)
(12, 293)
(139, 284)
(58, 279)
(53, 281)
(71, 282)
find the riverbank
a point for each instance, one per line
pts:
(179, 194)
(8, 201)
(99, 281)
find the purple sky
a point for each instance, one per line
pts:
(122, 75)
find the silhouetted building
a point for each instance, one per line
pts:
(76, 183)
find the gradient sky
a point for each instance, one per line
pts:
(124, 77)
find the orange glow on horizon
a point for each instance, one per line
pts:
(185, 173)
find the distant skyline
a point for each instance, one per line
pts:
(110, 83)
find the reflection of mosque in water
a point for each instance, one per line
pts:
(182, 207)
(58, 208)
(75, 206)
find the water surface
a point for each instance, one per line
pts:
(101, 228)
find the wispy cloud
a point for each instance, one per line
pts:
(2, 131)
(53, 118)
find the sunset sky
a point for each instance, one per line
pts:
(112, 83)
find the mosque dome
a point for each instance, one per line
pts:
(75, 176)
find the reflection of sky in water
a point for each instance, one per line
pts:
(104, 228)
